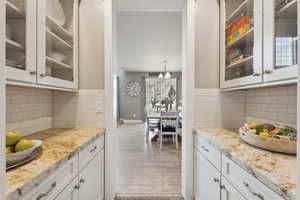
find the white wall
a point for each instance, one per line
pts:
(146, 39)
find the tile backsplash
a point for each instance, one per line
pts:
(214, 108)
(72, 110)
(275, 104)
(28, 109)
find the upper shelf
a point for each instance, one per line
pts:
(56, 42)
(13, 12)
(238, 11)
(60, 31)
(240, 62)
(12, 45)
(289, 11)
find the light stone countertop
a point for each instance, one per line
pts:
(277, 171)
(59, 145)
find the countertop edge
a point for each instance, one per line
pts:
(28, 187)
(282, 191)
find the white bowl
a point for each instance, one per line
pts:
(19, 156)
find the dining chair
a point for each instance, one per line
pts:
(151, 125)
(169, 126)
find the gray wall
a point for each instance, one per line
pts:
(207, 44)
(135, 105)
(91, 45)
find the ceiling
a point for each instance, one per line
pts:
(150, 5)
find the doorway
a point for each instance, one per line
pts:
(111, 69)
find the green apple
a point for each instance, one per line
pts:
(9, 150)
(13, 137)
(23, 145)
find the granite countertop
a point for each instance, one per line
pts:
(278, 171)
(59, 145)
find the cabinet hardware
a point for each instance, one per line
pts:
(223, 187)
(260, 196)
(216, 180)
(76, 187)
(93, 150)
(53, 185)
(268, 71)
(82, 180)
(204, 148)
(256, 74)
(42, 75)
(32, 73)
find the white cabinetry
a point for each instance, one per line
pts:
(207, 179)
(89, 178)
(258, 43)
(42, 49)
(20, 29)
(70, 192)
(228, 192)
(69, 182)
(280, 40)
(230, 182)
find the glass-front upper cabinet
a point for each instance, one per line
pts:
(280, 38)
(57, 43)
(20, 40)
(241, 42)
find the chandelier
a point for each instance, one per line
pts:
(165, 74)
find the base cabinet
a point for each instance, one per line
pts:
(90, 180)
(228, 182)
(207, 179)
(70, 192)
(228, 192)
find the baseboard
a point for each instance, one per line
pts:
(125, 121)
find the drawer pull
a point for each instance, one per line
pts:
(93, 150)
(205, 149)
(261, 197)
(223, 187)
(81, 180)
(76, 187)
(216, 180)
(53, 185)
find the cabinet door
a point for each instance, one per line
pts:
(21, 40)
(280, 37)
(58, 43)
(228, 192)
(70, 192)
(241, 42)
(90, 180)
(207, 180)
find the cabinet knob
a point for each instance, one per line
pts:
(33, 73)
(82, 180)
(42, 75)
(256, 74)
(268, 71)
(216, 180)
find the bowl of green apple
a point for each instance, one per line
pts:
(17, 148)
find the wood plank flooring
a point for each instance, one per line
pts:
(144, 168)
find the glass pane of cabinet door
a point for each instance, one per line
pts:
(56, 44)
(20, 40)
(241, 42)
(281, 39)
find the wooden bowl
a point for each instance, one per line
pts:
(269, 143)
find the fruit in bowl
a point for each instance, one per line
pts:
(18, 149)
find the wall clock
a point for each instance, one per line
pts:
(133, 88)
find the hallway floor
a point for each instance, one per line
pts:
(145, 169)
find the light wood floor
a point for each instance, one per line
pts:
(145, 169)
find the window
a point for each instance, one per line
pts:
(160, 94)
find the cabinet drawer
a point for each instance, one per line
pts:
(246, 183)
(90, 151)
(53, 185)
(209, 151)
